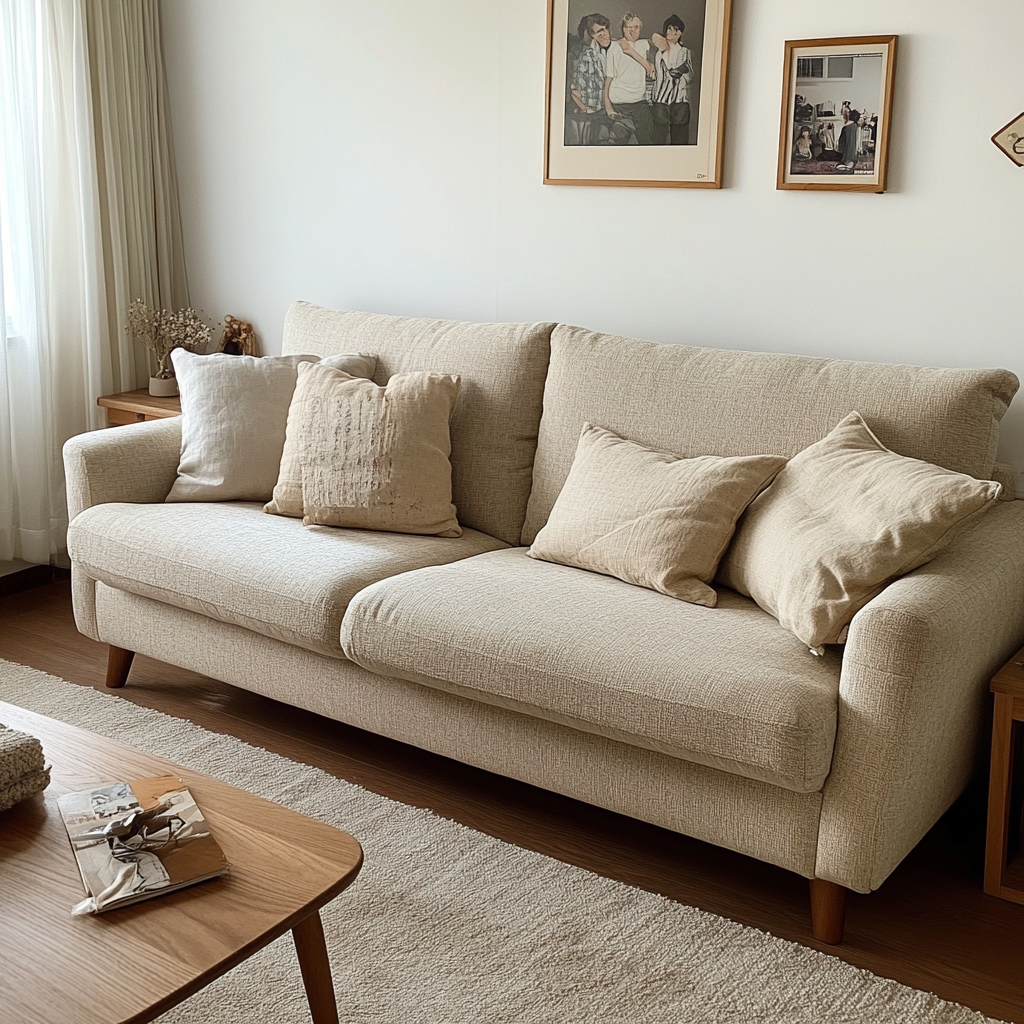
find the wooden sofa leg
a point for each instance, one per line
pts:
(119, 663)
(828, 911)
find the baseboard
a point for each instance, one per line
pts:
(33, 576)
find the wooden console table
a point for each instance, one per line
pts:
(137, 407)
(1004, 865)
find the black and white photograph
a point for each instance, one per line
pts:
(837, 97)
(636, 92)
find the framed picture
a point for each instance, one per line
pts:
(836, 109)
(636, 93)
(1010, 139)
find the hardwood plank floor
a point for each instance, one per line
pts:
(930, 926)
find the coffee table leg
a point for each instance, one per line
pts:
(316, 969)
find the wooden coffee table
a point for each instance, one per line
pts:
(134, 963)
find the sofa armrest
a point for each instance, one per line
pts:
(136, 463)
(913, 698)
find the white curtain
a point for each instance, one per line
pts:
(85, 171)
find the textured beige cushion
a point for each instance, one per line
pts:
(376, 458)
(233, 415)
(755, 818)
(494, 424)
(266, 573)
(1005, 474)
(649, 517)
(287, 497)
(843, 519)
(726, 687)
(703, 401)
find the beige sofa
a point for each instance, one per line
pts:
(715, 722)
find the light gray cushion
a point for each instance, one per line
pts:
(233, 415)
(494, 423)
(230, 561)
(702, 401)
(725, 687)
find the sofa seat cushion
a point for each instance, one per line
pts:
(234, 563)
(725, 687)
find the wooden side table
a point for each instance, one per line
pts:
(137, 407)
(1004, 849)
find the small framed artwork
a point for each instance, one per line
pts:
(636, 94)
(1010, 139)
(836, 109)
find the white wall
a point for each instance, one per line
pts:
(387, 156)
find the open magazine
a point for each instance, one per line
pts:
(138, 839)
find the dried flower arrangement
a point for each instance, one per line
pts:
(161, 331)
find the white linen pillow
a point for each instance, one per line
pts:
(233, 415)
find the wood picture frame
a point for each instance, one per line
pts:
(1010, 140)
(665, 126)
(836, 114)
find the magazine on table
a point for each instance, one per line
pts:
(138, 839)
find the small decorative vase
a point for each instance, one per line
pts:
(163, 387)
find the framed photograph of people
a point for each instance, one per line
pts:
(636, 92)
(836, 109)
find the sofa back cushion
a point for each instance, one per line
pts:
(701, 401)
(494, 424)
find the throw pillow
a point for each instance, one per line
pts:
(376, 458)
(845, 518)
(648, 517)
(233, 415)
(287, 493)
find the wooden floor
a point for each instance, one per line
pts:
(930, 926)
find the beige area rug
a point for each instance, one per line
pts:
(445, 925)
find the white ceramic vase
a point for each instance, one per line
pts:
(163, 387)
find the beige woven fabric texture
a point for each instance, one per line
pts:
(725, 687)
(137, 462)
(699, 401)
(233, 415)
(914, 708)
(23, 788)
(23, 771)
(287, 497)
(649, 517)
(844, 518)
(1005, 474)
(376, 458)
(494, 425)
(763, 821)
(230, 561)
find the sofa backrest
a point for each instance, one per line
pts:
(701, 401)
(494, 424)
